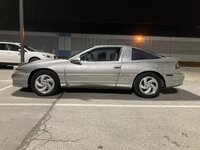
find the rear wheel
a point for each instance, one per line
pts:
(147, 85)
(45, 83)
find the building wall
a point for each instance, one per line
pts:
(42, 41)
(187, 49)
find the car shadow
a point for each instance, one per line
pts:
(28, 93)
(168, 94)
(6, 67)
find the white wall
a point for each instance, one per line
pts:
(42, 41)
(187, 49)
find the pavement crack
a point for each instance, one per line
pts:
(59, 140)
(40, 127)
(173, 142)
(184, 134)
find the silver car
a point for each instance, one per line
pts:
(107, 66)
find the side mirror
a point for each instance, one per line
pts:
(76, 61)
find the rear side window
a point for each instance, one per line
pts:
(138, 54)
(12, 47)
(3, 47)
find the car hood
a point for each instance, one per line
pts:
(46, 61)
(44, 64)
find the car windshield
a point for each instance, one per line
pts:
(29, 48)
(76, 54)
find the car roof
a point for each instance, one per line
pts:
(98, 46)
(110, 46)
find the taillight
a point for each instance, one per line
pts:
(177, 66)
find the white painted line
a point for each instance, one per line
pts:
(4, 88)
(101, 105)
(25, 104)
(6, 80)
(129, 106)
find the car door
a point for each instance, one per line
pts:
(99, 67)
(13, 53)
(3, 53)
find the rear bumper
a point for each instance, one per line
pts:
(174, 79)
(20, 79)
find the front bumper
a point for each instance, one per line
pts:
(174, 79)
(20, 79)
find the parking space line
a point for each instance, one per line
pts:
(101, 105)
(128, 106)
(6, 80)
(4, 88)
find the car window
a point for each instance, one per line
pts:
(13, 47)
(3, 47)
(102, 54)
(138, 54)
(29, 48)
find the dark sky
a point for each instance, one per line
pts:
(148, 17)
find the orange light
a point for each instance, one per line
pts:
(139, 39)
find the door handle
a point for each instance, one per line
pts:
(117, 67)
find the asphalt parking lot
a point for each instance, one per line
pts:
(81, 119)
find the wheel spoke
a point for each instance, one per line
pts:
(39, 84)
(49, 80)
(43, 77)
(151, 81)
(43, 89)
(154, 87)
(145, 80)
(148, 90)
(143, 87)
(49, 86)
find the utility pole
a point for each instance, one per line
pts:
(21, 18)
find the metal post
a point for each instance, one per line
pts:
(21, 17)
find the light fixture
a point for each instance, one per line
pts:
(139, 39)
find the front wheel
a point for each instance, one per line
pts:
(45, 83)
(34, 59)
(147, 85)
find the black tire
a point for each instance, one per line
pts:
(3, 66)
(137, 89)
(52, 75)
(33, 59)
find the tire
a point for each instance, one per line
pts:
(33, 59)
(3, 66)
(45, 83)
(147, 85)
